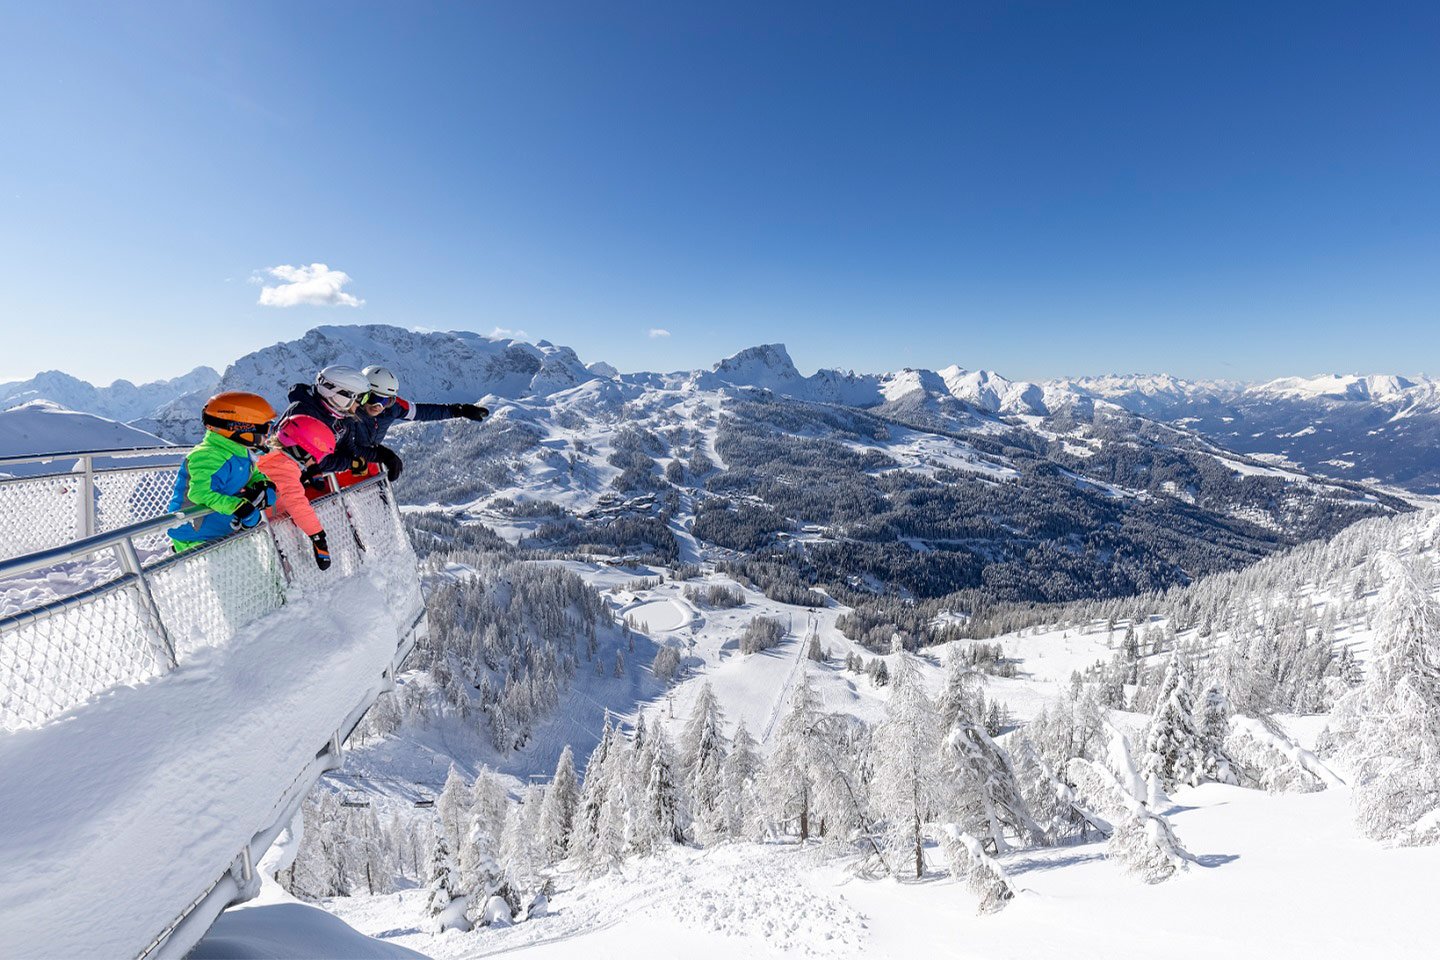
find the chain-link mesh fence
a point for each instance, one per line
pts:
(39, 513)
(95, 642)
(123, 497)
(205, 596)
(62, 652)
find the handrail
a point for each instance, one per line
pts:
(93, 472)
(78, 454)
(30, 562)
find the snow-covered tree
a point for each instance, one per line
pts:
(615, 824)
(1174, 749)
(1213, 725)
(481, 874)
(738, 775)
(453, 808)
(557, 810)
(445, 899)
(984, 797)
(592, 795)
(906, 787)
(1393, 734)
(963, 693)
(522, 846)
(661, 818)
(702, 753)
(1142, 841)
(790, 769)
(981, 873)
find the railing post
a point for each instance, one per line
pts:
(130, 563)
(87, 494)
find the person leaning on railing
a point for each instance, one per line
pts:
(379, 408)
(220, 472)
(298, 442)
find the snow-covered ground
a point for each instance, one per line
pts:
(1275, 876)
(160, 785)
(1278, 877)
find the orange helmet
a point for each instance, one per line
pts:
(243, 417)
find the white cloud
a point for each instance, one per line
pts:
(501, 333)
(316, 284)
(658, 332)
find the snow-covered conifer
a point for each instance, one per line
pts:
(660, 821)
(790, 769)
(592, 794)
(985, 798)
(522, 847)
(444, 900)
(702, 752)
(981, 873)
(1174, 750)
(557, 810)
(1393, 733)
(906, 786)
(453, 808)
(1214, 726)
(962, 694)
(738, 775)
(615, 824)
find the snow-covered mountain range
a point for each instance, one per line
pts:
(1380, 427)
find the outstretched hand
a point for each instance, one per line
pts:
(390, 460)
(469, 411)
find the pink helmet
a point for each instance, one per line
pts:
(307, 433)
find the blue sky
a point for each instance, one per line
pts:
(1209, 189)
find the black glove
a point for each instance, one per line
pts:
(244, 512)
(469, 411)
(390, 460)
(261, 493)
(322, 551)
(358, 467)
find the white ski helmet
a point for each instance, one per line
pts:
(341, 386)
(383, 383)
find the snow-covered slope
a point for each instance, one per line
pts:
(122, 400)
(40, 426)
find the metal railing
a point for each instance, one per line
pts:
(140, 620)
(98, 492)
(136, 621)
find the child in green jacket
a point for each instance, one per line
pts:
(220, 473)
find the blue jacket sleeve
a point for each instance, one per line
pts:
(423, 412)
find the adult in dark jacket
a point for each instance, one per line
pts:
(331, 399)
(382, 407)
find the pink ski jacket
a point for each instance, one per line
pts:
(290, 500)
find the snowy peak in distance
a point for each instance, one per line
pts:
(767, 366)
(432, 366)
(1376, 387)
(122, 400)
(770, 367)
(994, 393)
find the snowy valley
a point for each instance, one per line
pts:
(843, 666)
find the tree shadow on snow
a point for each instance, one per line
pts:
(1212, 860)
(1035, 864)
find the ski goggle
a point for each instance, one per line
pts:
(241, 431)
(349, 396)
(376, 400)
